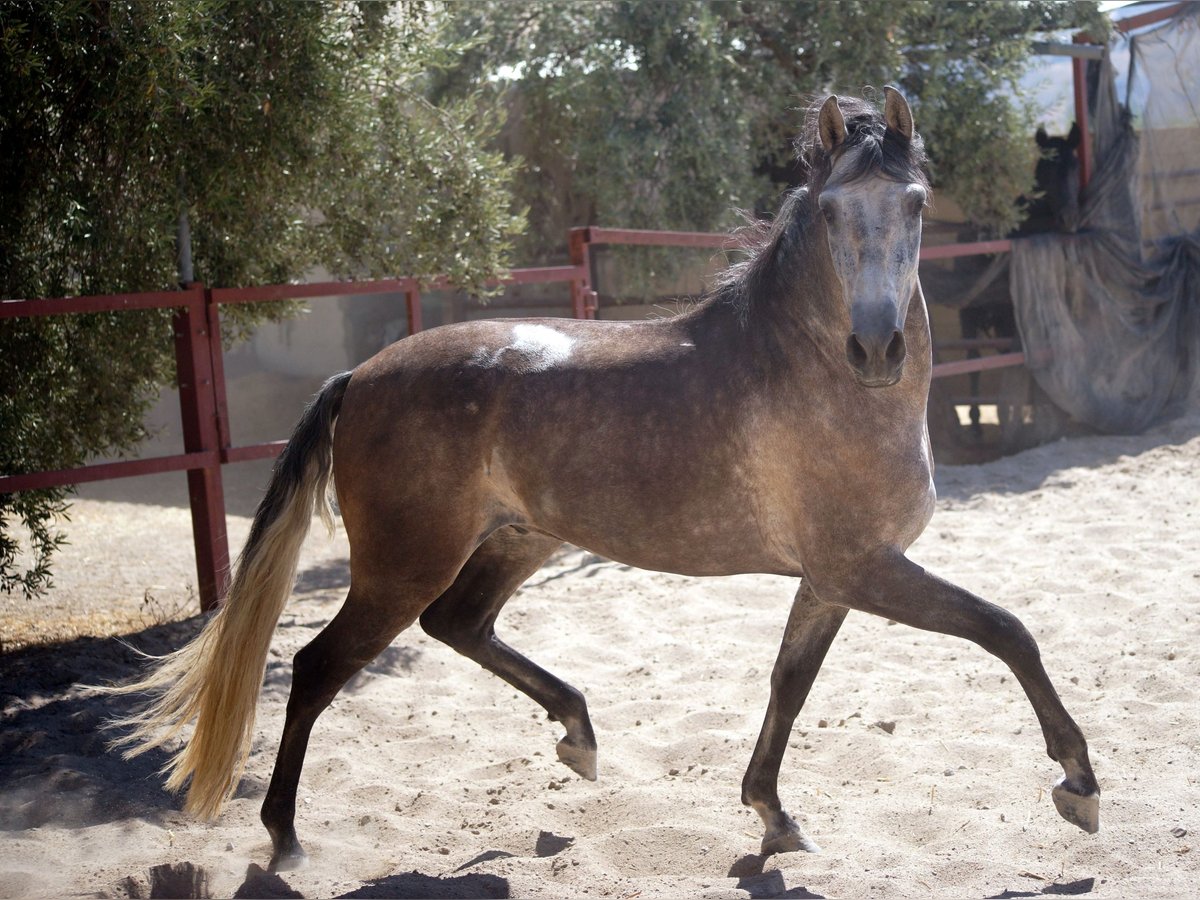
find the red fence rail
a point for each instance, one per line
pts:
(201, 372)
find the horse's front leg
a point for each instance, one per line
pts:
(892, 586)
(811, 628)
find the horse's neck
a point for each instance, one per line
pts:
(916, 328)
(794, 300)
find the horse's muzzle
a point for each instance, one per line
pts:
(877, 358)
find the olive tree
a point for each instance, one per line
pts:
(291, 135)
(673, 115)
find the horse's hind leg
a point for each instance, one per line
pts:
(464, 618)
(811, 628)
(363, 627)
(894, 587)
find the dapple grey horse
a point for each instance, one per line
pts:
(778, 427)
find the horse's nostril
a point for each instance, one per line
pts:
(895, 349)
(856, 352)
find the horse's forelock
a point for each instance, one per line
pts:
(869, 147)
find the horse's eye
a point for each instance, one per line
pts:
(827, 212)
(916, 201)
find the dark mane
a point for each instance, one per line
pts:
(869, 148)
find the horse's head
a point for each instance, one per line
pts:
(1056, 207)
(870, 190)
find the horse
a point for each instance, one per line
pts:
(1055, 203)
(1053, 206)
(779, 426)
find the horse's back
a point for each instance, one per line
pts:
(614, 436)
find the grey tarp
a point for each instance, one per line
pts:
(1109, 316)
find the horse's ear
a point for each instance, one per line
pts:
(1074, 136)
(1043, 139)
(896, 113)
(831, 125)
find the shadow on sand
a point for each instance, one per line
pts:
(1029, 470)
(1054, 889)
(55, 764)
(414, 884)
(748, 870)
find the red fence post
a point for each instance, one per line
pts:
(1079, 77)
(216, 352)
(412, 303)
(194, 351)
(583, 298)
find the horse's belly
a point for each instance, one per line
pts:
(692, 523)
(682, 548)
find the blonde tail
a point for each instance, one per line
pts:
(215, 680)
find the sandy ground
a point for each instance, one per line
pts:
(917, 763)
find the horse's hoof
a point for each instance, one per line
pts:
(1081, 810)
(788, 839)
(580, 760)
(288, 859)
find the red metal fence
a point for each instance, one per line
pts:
(201, 371)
